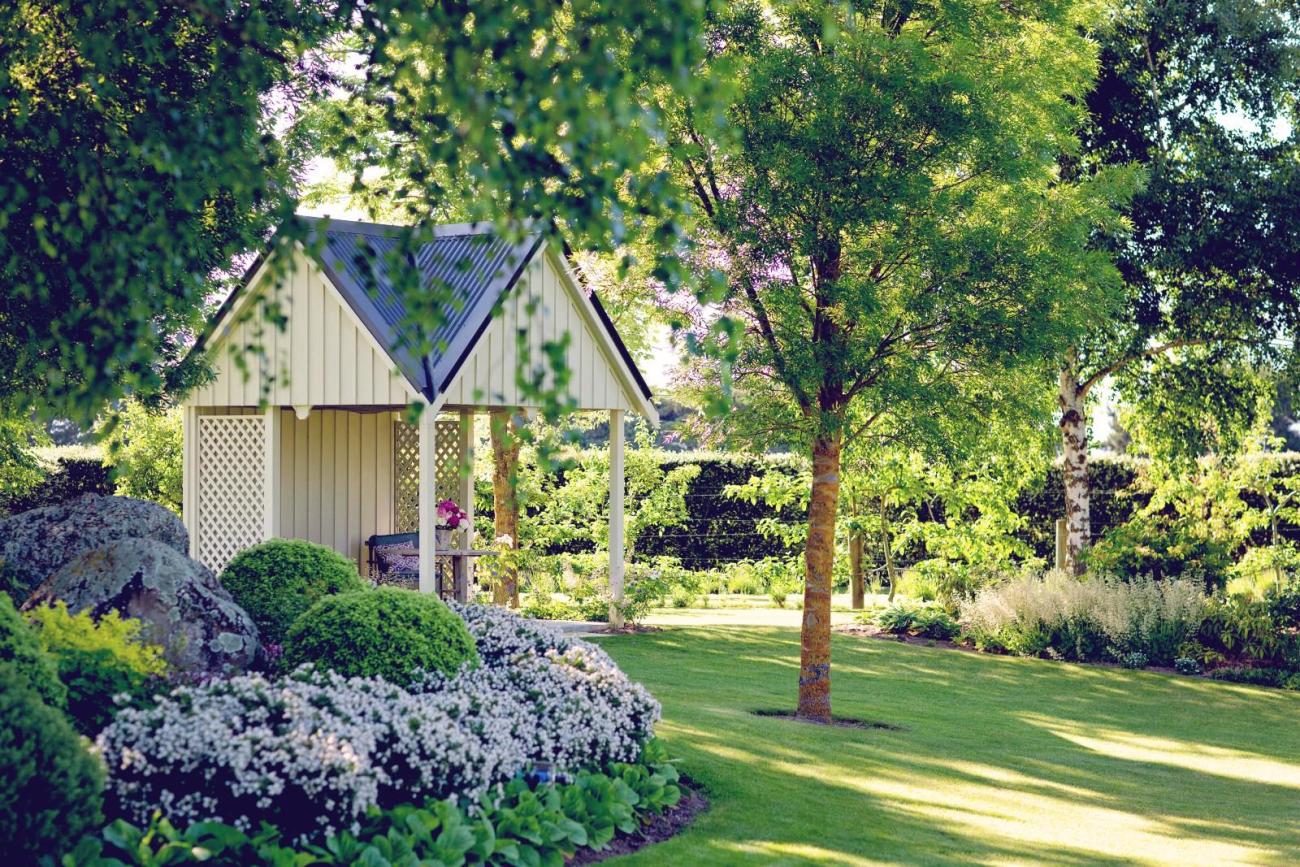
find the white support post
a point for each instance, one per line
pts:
(428, 499)
(466, 491)
(616, 518)
(271, 477)
(189, 475)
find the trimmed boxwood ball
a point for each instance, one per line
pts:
(51, 791)
(386, 632)
(276, 581)
(20, 651)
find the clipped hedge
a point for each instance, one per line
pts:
(277, 581)
(71, 477)
(720, 529)
(386, 632)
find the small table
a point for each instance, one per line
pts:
(459, 558)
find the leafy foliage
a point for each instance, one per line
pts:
(278, 580)
(21, 652)
(69, 477)
(98, 661)
(50, 791)
(143, 449)
(386, 632)
(138, 157)
(928, 621)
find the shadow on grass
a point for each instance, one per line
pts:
(995, 759)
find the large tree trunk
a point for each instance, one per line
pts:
(1074, 468)
(505, 499)
(819, 559)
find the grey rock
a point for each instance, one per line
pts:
(184, 608)
(36, 544)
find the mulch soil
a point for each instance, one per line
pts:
(669, 823)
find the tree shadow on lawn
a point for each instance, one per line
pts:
(1000, 758)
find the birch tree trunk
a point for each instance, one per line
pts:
(819, 559)
(505, 499)
(1072, 399)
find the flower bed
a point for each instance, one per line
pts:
(520, 824)
(313, 752)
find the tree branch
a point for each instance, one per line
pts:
(1126, 360)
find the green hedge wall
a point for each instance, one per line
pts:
(721, 529)
(72, 477)
(1113, 502)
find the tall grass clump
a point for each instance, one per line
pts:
(1093, 618)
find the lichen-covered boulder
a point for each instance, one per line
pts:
(184, 608)
(36, 544)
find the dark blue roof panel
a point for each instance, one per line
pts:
(468, 263)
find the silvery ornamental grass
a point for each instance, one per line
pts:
(311, 752)
(1153, 617)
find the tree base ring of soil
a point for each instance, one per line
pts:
(667, 824)
(844, 722)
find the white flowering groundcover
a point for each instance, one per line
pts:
(313, 751)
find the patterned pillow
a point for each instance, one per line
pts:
(392, 562)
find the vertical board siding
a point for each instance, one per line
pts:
(487, 378)
(336, 478)
(330, 360)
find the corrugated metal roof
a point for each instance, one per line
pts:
(476, 266)
(472, 266)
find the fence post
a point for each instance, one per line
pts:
(1060, 544)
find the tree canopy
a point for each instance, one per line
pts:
(885, 203)
(1197, 95)
(140, 153)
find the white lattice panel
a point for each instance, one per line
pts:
(406, 471)
(406, 478)
(231, 493)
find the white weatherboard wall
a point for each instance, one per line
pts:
(336, 479)
(487, 377)
(331, 358)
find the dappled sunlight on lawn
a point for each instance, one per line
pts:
(1233, 764)
(997, 760)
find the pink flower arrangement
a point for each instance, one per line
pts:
(449, 514)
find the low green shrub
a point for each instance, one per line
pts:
(681, 597)
(543, 824)
(276, 581)
(1252, 675)
(544, 606)
(918, 584)
(1187, 665)
(20, 650)
(927, 621)
(386, 632)
(1239, 628)
(51, 788)
(143, 450)
(98, 661)
(1134, 659)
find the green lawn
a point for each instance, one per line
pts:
(998, 760)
